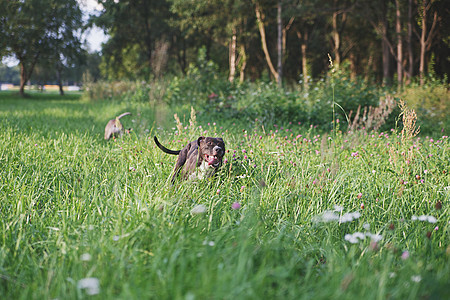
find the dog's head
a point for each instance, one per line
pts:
(211, 150)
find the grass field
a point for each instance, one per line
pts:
(293, 213)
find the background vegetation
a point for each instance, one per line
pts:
(284, 41)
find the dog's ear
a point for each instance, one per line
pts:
(200, 139)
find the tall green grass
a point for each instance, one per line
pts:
(74, 206)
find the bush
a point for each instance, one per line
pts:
(213, 97)
(339, 88)
(430, 102)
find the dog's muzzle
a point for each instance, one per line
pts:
(215, 159)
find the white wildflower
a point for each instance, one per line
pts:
(374, 237)
(90, 284)
(431, 219)
(198, 209)
(424, 218)
(210, 243)
(349, 237)
(85, 257)
(329, 216)
(338, 208)
(359, 236)
(416, 278)
(348, 217)
(355, 237)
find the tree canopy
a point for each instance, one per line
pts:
(384, 41)
(367, 37)
(45, 31)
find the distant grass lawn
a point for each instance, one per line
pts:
(293, 213)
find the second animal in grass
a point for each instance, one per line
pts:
(114, 128)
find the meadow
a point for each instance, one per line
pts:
(296, 212)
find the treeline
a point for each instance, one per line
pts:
(384, 41)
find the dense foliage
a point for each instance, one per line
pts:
(41, 32)
(246, 38)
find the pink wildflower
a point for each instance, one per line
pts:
(236, 205)
(405, 255)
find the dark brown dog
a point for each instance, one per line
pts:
(198, 159)
(114, 127)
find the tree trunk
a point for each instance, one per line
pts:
(337, 40)
(422, 43)
(426, 39)
(285, 30)
(232, 56)
(398, 31)
(304, 47)
(262, 32)
(385, 53)
(183, 58)
(23, 79)
(25, 74)
(352, 59)
(410, 48)
(279, 44)
(243, 58)
(369, 66)
(58, 76)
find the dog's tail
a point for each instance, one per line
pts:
(123, 115)
(164, 149)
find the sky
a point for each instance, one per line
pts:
(94, 36)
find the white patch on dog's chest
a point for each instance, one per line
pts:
(202, 172)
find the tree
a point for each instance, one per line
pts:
(215, 22)
(64, 38)
(426, 36)
(262, 31)
(34, 29)
(24, 33)
(136, 28)
(279, 44)
(409, 41)
(398, 32)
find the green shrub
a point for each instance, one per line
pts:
(431, 103)
(336, 93)
(347, 93)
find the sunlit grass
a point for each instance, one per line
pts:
(293, 213)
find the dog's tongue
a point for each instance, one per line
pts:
(211, 159)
